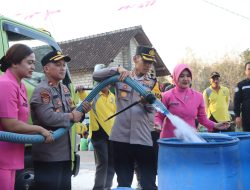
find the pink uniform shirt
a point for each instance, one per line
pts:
(187, 103)
(13, 104)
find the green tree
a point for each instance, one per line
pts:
(245, 56)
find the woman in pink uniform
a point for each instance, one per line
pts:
(184, 102)
(18, 63)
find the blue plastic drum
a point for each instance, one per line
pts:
(244, 147)
(191, 166)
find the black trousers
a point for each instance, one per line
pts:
(216, 130)
(245, 125)
(125, 156)
(52, 175)
(104, 164)
(155, 136)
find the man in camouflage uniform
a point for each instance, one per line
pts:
(131, 133)
(53, 108)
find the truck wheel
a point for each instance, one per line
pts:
(24, 179)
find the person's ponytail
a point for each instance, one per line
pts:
(4, 64)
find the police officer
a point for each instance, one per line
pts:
(242, 101)
(131, 133)
(53, 108)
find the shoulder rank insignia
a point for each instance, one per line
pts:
(45, 96)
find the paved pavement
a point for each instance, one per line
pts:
(85, 179)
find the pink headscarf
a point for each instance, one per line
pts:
(177, 71)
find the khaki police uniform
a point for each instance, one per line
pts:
(131, 133)
(49, 108)
(137, 121)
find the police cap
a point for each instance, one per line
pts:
(53, 57)
(147, 53)
(214, 74)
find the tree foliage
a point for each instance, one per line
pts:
(245, 56)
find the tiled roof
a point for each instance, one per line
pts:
(103, 48)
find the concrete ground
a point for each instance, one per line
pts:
(85, 179)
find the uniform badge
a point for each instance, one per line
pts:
(65, 89)
(152, 52)
(125, 86)
(45, 96)
(71, 103)
(123, 94)
(173, 104)
(59, 102)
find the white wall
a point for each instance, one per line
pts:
(124, 59)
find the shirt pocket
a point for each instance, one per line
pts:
(57, 103)
(123, 91)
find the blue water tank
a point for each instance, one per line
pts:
(244, 146)
(214, 165)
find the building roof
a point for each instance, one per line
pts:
(102, 48)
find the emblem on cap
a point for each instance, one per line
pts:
(152, 52)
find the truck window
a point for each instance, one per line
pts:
(40, 41)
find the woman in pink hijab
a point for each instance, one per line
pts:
(184, 102)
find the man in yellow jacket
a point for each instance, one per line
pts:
(103, 106)
(217, 99)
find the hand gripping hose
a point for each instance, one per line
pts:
(35, 139)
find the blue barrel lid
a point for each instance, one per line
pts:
(211, 140)
(238, 134)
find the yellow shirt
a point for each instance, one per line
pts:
(156, 91)
(102, 107)
(82, 94)
(217, 103)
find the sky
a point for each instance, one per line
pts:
(210, 28)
